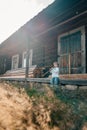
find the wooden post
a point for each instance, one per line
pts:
(27, 66)
(69, 63)
(4, 65)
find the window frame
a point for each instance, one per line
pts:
(82, 30)
(30, 58)
(17, 56)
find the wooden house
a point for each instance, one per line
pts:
(58, 33)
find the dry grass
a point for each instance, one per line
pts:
(20, 112)
(39, 109)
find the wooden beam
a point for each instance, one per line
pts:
(74, 82)
(27, 63)
(47, 80)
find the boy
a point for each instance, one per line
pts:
(55, 74)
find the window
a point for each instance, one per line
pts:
(15, 61)
(24, 58)
(71, 46)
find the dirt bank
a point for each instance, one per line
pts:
(19, 112)
(41, 108)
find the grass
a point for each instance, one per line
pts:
(69, 113)
(77, 100)
(33, 92)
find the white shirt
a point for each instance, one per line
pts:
(55, 72)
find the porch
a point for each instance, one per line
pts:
(36, 75)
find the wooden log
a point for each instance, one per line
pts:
(47, 81)
(32, 72)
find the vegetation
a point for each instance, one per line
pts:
(55, 108)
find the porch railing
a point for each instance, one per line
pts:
(71, 63)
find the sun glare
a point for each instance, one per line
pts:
(15, 13)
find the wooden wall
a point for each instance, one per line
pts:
(45, 52)
(86, 47)
(5, 64)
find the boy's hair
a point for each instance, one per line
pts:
(55, 62)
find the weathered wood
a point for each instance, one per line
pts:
(69, 64)
(40, 80)
(27, 62)
(32, 72)
(73, 76)
(74, 82)
(47, 81)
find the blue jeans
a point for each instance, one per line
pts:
(54, 81)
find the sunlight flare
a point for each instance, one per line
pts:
(15, 13)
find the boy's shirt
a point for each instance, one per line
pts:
(55, 72)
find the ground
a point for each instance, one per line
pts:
(41, 108)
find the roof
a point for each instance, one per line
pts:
(57, 12)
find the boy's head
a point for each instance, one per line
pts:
(55, 64)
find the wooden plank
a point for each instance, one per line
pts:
(47, 80)
(39, 80)
(19, 72)
(74, 82)
(73, 76)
